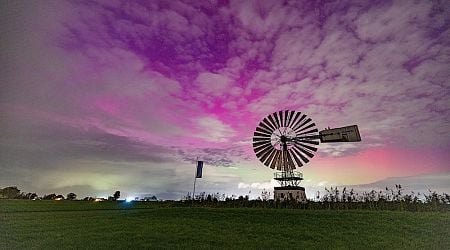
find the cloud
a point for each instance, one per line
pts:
(213, 130)
(158, 82)
(213, 84)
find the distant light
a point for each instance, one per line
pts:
(129, 199)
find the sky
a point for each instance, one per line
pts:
(98, 96)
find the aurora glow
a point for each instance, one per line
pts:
(98, 96)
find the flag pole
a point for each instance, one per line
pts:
(195, 180)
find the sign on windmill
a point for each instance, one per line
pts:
(286, 140)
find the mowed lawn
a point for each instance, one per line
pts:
(110, 225)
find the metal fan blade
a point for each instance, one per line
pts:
(264, 150)
(309, 131)
(296, 158)
(280, 161)
(307, 146)
(291, 116)
(302, 124)
(276, 119)
(286, 118)
(306, 152)
(257, 144)
(300, 154)
(259, 129)
(280, 117)
(290, 161)
(273, 122)
(297, 124)
(261, 134)
(271, 156)
(283, 160)
(306, 141)
(274, 162)
(294, 121)
(307, 127)
(280, 113)
(261, 147)
(263, 125)
(256, 139)
(266, 157)
(267, 122)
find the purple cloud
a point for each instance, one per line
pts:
(166, 81)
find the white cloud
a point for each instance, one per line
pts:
(213, 130)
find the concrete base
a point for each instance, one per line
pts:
(290, 193)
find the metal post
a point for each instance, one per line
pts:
(195, 179)
(193, 193)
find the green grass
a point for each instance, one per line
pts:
(110, 225)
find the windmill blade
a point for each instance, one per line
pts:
(280, 161)
(307, 141)
(280, 113)
(262, 151)
(274, 162)
(257, 144)
(298, 122)
(306, 152)
(260, 129)
(290, 161)
(263, 125)
(266, 154)
(307, 127)
(303, 124)
(257, 139)
(273, 122)
(261, 134)
(307, 146)
(291, 116)
(286, 118)
(270, 158)
(267, 122)
(309, 131)
(261, 147)
(295, 120)
(276, 119)
(296, 158)
(300, 154)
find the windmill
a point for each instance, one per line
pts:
(286, 140)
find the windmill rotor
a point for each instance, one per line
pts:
(285, 140)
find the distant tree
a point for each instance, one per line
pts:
(29, 196)
(116, 195)
(265, 195)
(71, 196)
(59, 197)
(10, 193)
(49, 197)
(89, 198)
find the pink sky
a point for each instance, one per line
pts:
(105, 95)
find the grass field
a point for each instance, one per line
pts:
(110, 225)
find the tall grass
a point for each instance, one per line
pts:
(393, 199)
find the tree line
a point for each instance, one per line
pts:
(333, 198)
(15, 193)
